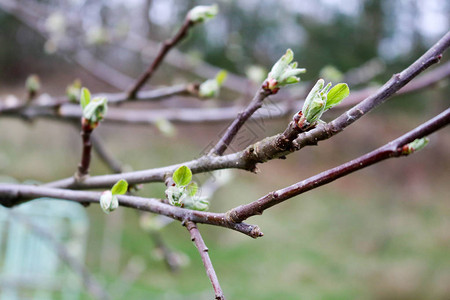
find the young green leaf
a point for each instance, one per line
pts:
(85, 97)
(120, 187)
(192, 188)
(221, 76)
(338, 93)
(182, 176)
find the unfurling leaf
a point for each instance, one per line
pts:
(338, 93)
(96, 110)
(108, 202)
(182, 176)
(283, 73)
(196, 203)
(85, 97)
(319, 100)
(176, 195)
(202, 13)
(192, 188)
(120, 187)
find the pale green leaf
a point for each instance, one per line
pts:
(182, 176)
(120, 187)
(85, 97)
(338, 93)
(221, 77)
(192, 188)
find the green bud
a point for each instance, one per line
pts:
(33, 84)
(202, 13)
(315, 110)
(211, 87)
(283, 73)
(313, 94)
(319, 100)
(96, 109)
(73, 91)
(108, 202)
(416, 145)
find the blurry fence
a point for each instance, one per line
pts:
(30, 263)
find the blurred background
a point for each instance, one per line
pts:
(382, 233)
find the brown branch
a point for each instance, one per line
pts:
(390, 150)
(14, 194)
(239, 121)
(196, 237)
(61, 107)
(166, 46)
(148, 50)
(83, 167)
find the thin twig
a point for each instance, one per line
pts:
(390, 150)
(83, 167)
(239, 121)
(196, 237)
(181, 61)
(166, 46)
(193, 115)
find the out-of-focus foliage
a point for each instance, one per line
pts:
(344, 34)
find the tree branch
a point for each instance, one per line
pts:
(83, 167)
(166, 46)
(196, 237)
(14, 194)
(192, 115)
(258, 152)
(241, 118)
(390, 150)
